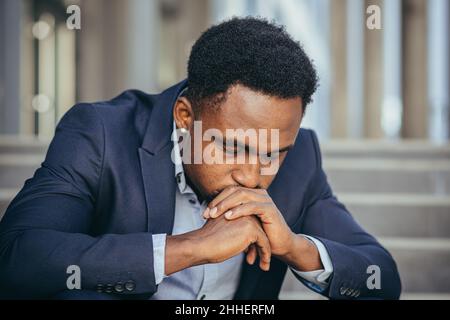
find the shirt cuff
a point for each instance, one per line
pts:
(318, 277)
(159, 254)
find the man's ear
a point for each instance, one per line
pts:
(183, 114)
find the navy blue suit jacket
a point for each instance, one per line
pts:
(107, 184)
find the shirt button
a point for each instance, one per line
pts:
(192, 201)
(119, 287)
(203, 297)
(129, 285)
(109, 288)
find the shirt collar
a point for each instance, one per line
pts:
(179, 170)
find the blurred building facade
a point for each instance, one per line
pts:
(385, 88)
(388, 83)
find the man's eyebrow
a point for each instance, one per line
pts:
(287, 148)
(250, 149)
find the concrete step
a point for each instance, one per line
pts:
(400, 215)
(300, 294)
(6, 195)
(425, 296)
(309, 295)
(389, 175)
(23, 144)
(422, 263)
(404, 149)
(345, 175)
(353, 149)
(16, 168)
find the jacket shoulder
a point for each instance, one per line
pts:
(307, 145)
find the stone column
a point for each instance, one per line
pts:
(414, 31)
(339, 115)
(10, 67)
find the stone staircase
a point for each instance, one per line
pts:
(399, 192)
(19, 158)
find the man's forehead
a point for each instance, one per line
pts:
(245, 109)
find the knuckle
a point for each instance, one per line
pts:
(236, 211)
(248, 223)
(212, 204)
(253, 205)
(220, 206)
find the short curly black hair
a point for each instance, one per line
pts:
(252, 52)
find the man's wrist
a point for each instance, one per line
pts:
(182, 251)
(302, 255)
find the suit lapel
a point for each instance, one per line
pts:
(159, 187)
(250, 276)
(157, 167)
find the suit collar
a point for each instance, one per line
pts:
(159, 128)
(157, 167)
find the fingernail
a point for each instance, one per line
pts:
(213, 212)
(228, 214)
(206, 213)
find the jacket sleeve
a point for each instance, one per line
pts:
(46, 227)
(352, 249)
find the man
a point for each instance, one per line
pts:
(119, 198)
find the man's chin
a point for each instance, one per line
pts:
(210, 196)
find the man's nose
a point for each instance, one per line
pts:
(248, 175)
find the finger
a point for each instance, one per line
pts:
(251, 254)
(206, 213)
(262, 210)
(235, 199)
(264, 262)
(229, 190)
(264, 252)
(222, 195)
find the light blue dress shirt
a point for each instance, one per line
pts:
(217, 281)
